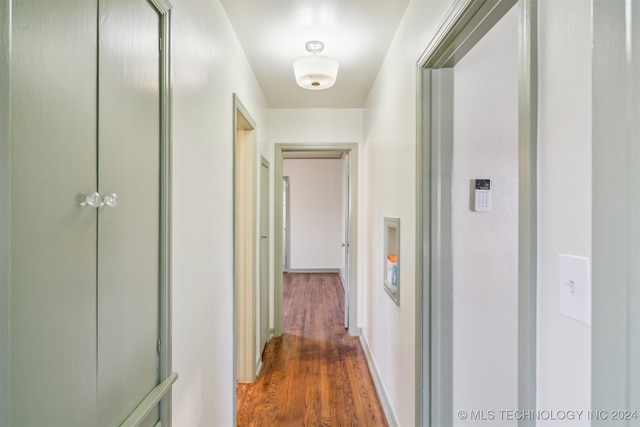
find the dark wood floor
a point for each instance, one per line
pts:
(315, 374)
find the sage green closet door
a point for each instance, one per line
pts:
(128, 233)
(53, 239)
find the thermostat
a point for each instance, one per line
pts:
(482, 195)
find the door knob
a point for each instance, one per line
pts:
(111, 200)
(93, 200)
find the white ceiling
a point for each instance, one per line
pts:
(355, 32)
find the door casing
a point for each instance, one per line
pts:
(615, 209)
(352, 149)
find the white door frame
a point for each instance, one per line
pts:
(352, 149)
(464, 25)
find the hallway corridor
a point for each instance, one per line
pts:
(315, 374)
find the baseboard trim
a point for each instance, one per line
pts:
(342, 279)
(313, 270)
(258, 368)
(382, 392)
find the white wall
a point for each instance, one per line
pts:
(564, 197)
(389, 190)
(317, 126)
(485, 245)
(208, 66)
(316, 213)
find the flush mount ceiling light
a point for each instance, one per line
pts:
(315, 72)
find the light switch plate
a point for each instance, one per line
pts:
(575, 288)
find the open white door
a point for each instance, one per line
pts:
(264, 255)
(347, 218)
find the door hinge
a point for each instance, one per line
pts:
(160, 46)
(158, 347)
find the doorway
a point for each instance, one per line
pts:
(349, 242)
(440, 208)
(245, 247)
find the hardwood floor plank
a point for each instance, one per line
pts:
(315, 374)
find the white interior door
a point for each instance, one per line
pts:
(285, 223)
(128, 233)
(264, 254)
(346, 244)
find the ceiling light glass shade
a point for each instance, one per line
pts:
(315, 72)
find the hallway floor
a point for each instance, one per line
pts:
(315, 374)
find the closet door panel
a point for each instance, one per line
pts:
(53, 239)
(128, 242)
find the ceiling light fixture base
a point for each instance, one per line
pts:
(315, 72)
(314, 47)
